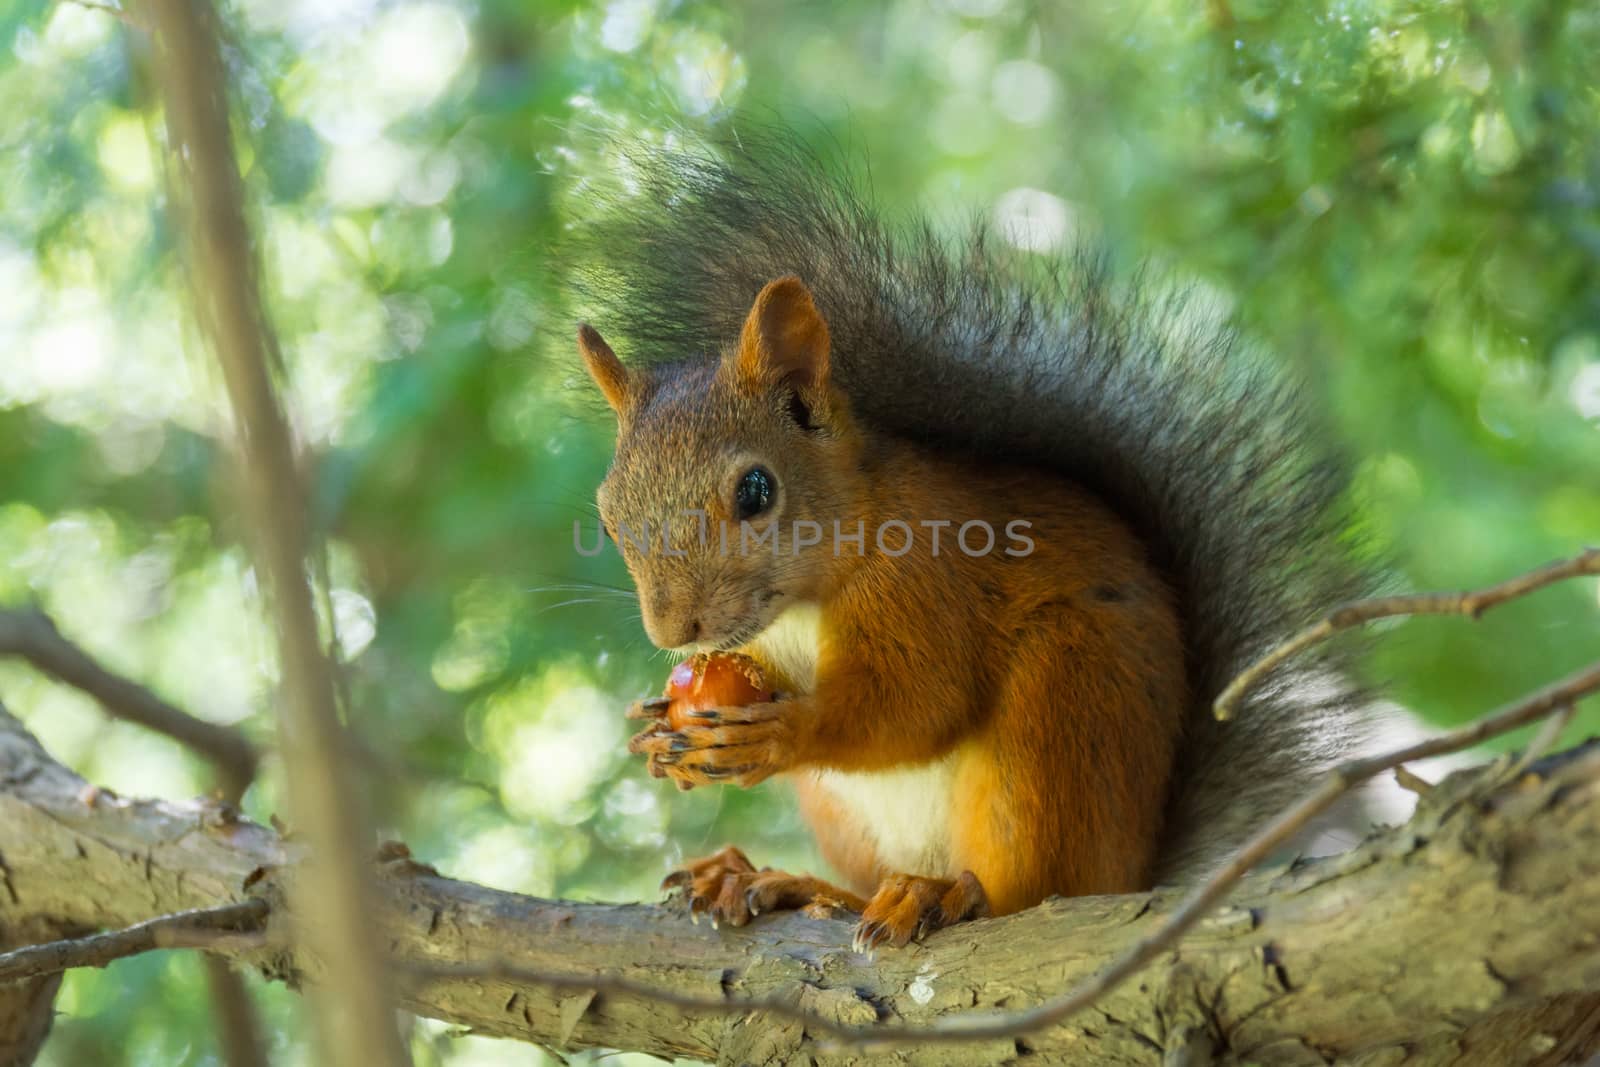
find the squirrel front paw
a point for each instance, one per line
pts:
(743, 745)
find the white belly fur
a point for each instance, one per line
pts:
(790, 643)
(905, 811)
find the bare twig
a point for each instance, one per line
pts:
(1411, 783)
(1471, 604)
(223, 941)
(32, 636)
(98, 950)
(354, 1011)
(27, 1008)
(238, 1031)
(989, 1026)
(1550, 732)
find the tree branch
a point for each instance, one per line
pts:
(238, 1030)
(354, 1013)
(1555, 700)
(1360, 612)
(180, 930)
(1468, 932)
(27, 1009)
(32, 636)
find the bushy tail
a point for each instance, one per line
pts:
(1134, 389)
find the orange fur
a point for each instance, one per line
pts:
(1052, 683)
(1059, 678)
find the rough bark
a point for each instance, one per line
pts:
(1466, 936)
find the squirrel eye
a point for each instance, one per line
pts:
(754, 493)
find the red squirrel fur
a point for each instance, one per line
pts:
(1053, 683)
(967, 733)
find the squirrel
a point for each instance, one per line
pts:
(995, 527)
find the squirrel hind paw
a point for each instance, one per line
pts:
(909, 907)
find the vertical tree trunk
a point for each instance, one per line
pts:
(27, 1008)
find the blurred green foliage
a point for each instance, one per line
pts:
(1402, 197)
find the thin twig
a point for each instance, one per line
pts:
(32, 636)
(1470, 604)
(989, 1025)
(98, 950)
(333, 899)
(232, 943)
(615, 985)
(238, 1030)
(1412, 783)
(27, 1007)
(1549, 733)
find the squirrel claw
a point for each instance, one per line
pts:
(660, 744)
(719, 773)
(867, 937)
(650, 708)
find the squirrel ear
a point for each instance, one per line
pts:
(785, 338)
(604, 367)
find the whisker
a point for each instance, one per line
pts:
(570, 603)
(562, 580)
(597, 590)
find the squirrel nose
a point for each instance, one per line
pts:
(676, 633)
(688, 633)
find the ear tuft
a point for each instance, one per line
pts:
(785, 338)
(604, 367)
